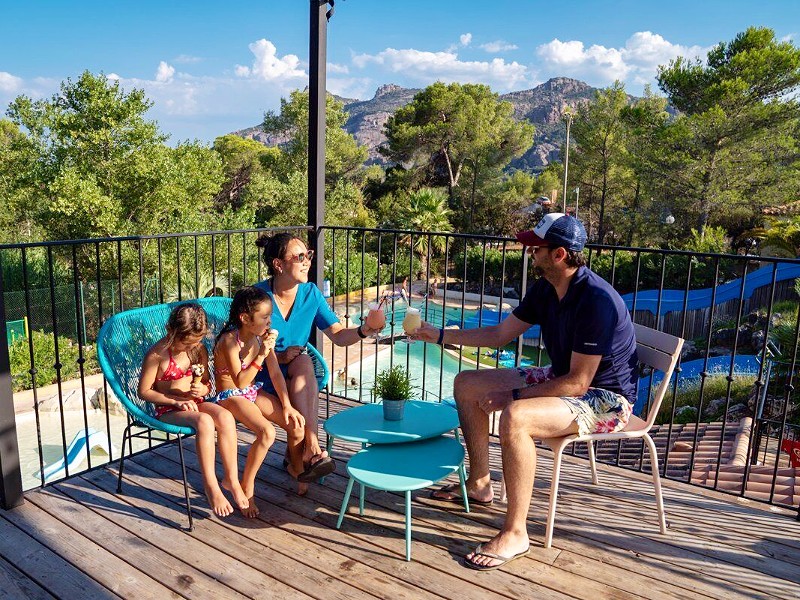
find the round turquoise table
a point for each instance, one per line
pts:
(405, 468)
(365, 423)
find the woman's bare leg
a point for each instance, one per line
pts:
(304, 394)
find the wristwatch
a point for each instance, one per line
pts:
(515, 393)
(361, 334)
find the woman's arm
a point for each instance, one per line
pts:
(342, 336)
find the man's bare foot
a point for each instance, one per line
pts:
(505, 545)
(239, 497)
(219, 503)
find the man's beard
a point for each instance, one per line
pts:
(538, 271)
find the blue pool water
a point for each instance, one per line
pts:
(432, 371)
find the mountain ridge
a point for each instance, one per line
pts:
(542, 105)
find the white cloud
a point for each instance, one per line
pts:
(427, 67)
(498, 46)
(9, 83)
(165, 72)
(351, 87)
(186, 59)
(268, 66)
(635, 62)
(336, 68)
(465, 39)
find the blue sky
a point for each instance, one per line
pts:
(213, 67)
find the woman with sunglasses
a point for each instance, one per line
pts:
(298, 304)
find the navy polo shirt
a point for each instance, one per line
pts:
(590, 319)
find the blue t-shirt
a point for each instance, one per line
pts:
(591, 319)
(310, 308)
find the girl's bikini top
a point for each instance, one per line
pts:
(173, 372)
(226, 370)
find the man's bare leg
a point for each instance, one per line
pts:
(521, 423)
(469, 388)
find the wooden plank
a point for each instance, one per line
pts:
(44, 566)
(729, 528)
(589, 587)
(14, 584)
(585, 580)
(201, 570)
(76, 541)
(579, 509)
(270, 550)
(431, 568)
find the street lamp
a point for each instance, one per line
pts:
(568, 117)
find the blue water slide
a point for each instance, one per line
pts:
(672, 300)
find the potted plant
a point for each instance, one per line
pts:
(394, 387)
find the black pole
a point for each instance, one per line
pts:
(11, 491)
(318, 31)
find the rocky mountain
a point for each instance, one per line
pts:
(541, 105)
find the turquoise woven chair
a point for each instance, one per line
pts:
(122, 343)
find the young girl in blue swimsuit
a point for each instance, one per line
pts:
(180, 399)
(243, 348)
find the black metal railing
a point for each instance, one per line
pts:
(736, 380)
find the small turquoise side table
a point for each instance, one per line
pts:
(405, 468)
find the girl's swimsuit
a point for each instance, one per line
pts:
(173, 373)
(223, 376)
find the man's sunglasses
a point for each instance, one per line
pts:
(302, 257)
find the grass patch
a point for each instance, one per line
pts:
(716, 386)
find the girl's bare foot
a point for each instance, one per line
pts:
(251, 512)
(219, 503)
(239, 497)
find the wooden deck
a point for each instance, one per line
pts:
(79, 539)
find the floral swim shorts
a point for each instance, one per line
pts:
(597, 411)
(249, 392)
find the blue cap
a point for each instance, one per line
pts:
(556, 229)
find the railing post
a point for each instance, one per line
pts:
(11, 490)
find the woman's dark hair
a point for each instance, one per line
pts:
(246, 300)
(186, 320)
(274, 246)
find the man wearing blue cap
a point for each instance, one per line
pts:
(590, 385)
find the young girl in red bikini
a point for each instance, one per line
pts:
(179, 398)
(244, 347)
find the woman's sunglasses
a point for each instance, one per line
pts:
(302, 257)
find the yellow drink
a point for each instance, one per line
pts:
(413, 321)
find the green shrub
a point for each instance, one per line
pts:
(44, 354)
(494, 266)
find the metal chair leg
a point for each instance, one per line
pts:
(185, 485)
(408, 525)
(125, 437)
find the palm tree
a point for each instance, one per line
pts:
(781, 236)
(427, 211)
